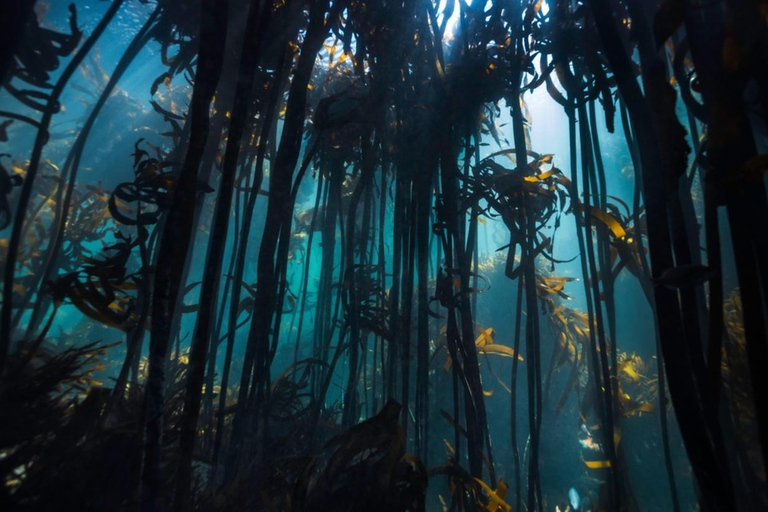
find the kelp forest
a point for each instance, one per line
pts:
(383, 255)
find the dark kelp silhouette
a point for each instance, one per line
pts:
(395, 113)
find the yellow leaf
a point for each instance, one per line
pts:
(496, 501)
(546, 159)
(540, 177)
(612, 224)
(597, 464)
(20, 290)
(627, 368)
(485, 338)
(500, 350)
(440, 70)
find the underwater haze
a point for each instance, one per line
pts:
(383, 255)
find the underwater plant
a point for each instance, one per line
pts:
(294, 255)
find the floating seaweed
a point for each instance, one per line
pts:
(262, 255)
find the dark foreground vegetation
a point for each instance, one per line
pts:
(200, 377)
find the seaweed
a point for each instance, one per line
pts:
(318, 189)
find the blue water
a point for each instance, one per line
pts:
(107, 162)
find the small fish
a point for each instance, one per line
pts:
(574, 499)
(683, 276)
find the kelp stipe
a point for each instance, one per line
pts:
(348, 229)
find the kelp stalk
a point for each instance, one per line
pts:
(176, 239)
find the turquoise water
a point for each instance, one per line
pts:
(400, 112)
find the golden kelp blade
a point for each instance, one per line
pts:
(496, 501)
(540, 177)
(546, 159)
(636, 409)
(485, 345)
(597, 464)
(627, 368)
(616, 228)
(485, 338)
(500, 350)
(646, 407)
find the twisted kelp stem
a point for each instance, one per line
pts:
(279, 207)
(424, 180)
(665, 429)
(700, 435)
(730, 147)
(333, 166)
(257, 23)
(322, 192)
(234, 308)
(474, 407)
(513, 396)
(601, 372)
(674, 152)
(52, 107)
(176, 238)
(351, 413)
(633, 150)
(221, 105)
(532, 334)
